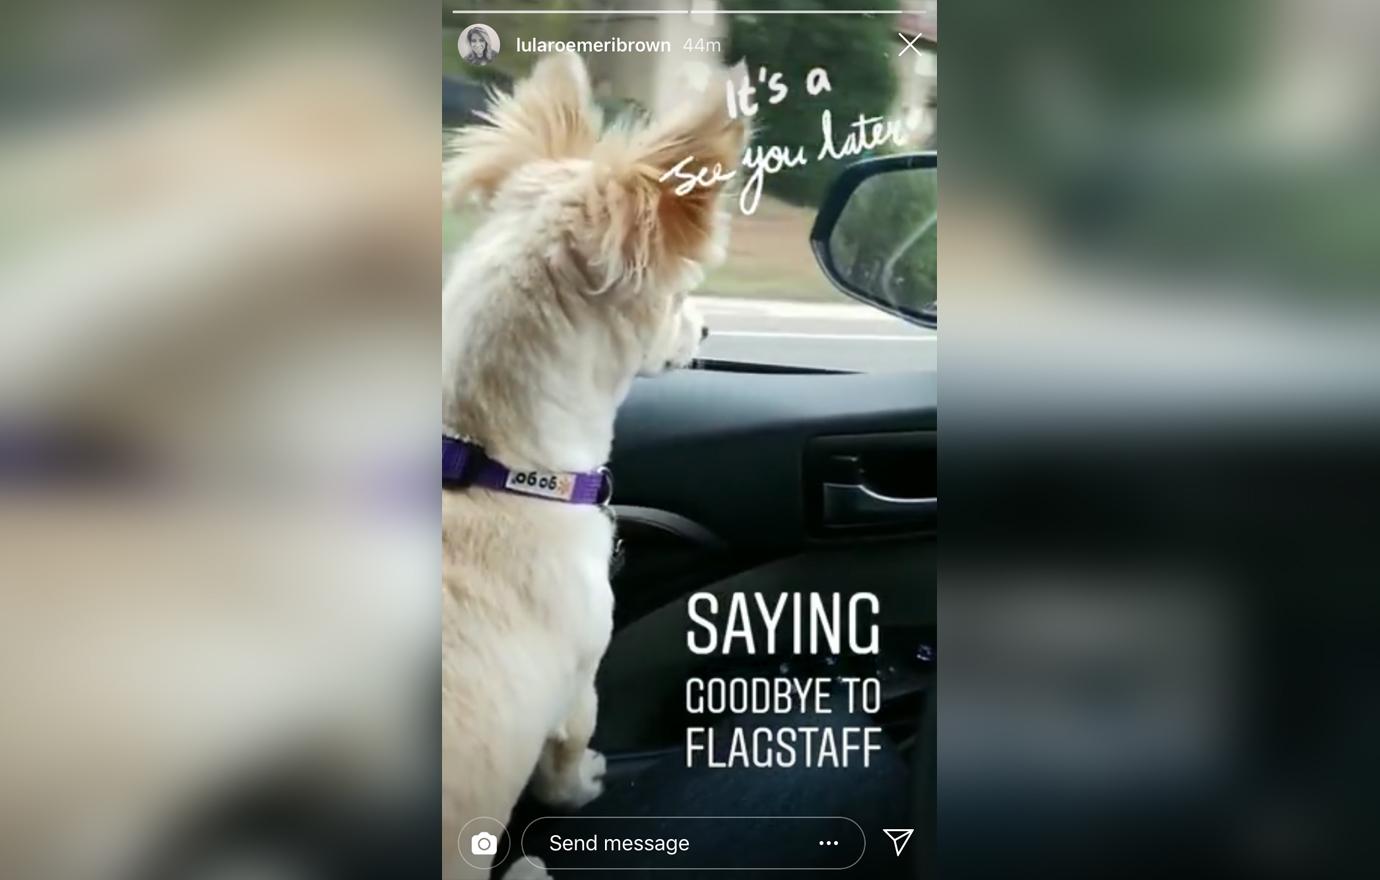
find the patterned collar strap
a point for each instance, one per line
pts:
(465, 464)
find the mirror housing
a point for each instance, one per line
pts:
(843, 214)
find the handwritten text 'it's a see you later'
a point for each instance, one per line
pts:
(864, 134)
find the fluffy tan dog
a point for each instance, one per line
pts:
(575, 282)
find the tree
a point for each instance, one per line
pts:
(856, 50)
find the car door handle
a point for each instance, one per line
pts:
(853, 504)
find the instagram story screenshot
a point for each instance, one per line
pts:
(688, 386)
(678, 263)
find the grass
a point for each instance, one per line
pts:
(769, 257)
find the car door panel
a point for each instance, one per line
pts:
(728, 450)
(720, 483)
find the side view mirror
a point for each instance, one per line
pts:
(877, 233)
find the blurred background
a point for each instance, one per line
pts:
(769, 303)
(218, 405)
(1160, 375)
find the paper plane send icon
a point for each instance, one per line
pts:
(899, 837)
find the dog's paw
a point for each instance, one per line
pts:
(527, 868)
(579, 785)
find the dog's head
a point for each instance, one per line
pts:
(599, 210)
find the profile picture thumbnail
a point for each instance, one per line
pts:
(479, 44)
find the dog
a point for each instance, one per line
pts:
(575, 282)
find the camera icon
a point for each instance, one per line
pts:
(483, 844)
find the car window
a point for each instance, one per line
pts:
(769, 302)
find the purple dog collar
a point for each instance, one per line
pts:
(465, 464)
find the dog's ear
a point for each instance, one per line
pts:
(655, 213)
(709, 142)
(550, 115)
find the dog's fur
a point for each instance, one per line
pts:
(575, 282)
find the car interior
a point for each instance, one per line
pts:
(732, 477)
